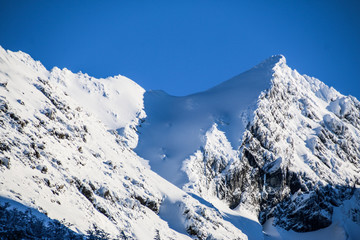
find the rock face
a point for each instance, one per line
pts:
(305, 149)
(299, 157)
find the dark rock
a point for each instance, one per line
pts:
(4, 107)
(151, 204)
(20, 102)
(102, 210)
(61, 135)
(85, 190)
(44, 169)
(250, 158)
(4, 146)
(5, 161)
(3, 84)
(80, 149)
(14, 116)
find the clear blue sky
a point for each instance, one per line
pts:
(187, 46)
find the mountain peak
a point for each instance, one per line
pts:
(254, 80)
(272, 61)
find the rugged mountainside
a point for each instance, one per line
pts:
(61, 162)
(306, 150)
(299, 157)
(268, 154)
(284, 146)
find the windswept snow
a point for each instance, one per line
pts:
(116, 101)
(184, 121)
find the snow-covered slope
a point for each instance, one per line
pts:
(268, 154)
(116, 101)
(183, 121)
(60, 159)
(309, 153)
(283, 145)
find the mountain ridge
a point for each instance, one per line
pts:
(215, 105)
(278, 158)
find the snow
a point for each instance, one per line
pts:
(116, 101)
(245, 220)
(333, 232)
(347, 217)
(215, 146)
(341, 106)
(170, 214)
(64, 160)
(184, 121)
(73, 159)
(274, 166)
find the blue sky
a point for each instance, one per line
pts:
(187, 46)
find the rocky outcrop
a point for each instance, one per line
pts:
(297, 149)
(299, 156)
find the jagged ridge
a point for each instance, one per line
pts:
(270, 141)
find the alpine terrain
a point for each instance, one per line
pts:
(268, 154)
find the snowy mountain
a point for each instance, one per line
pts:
(60, 160)
(270, 140)
(268, 154)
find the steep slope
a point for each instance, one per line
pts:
(116, 101)
(271, 141)
(183, 121)
(304, 144)
(60, 160)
